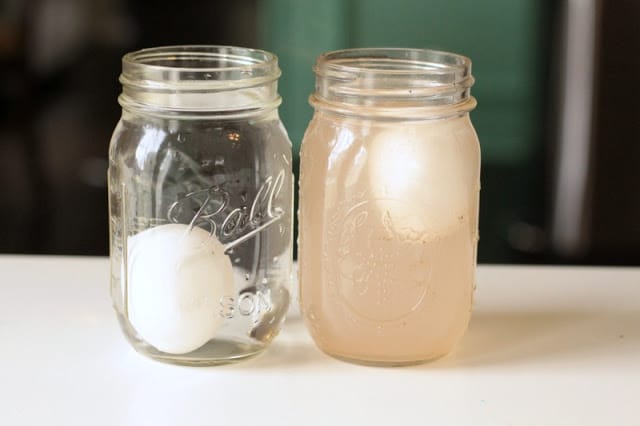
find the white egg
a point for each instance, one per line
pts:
(422, 175)
(177, 277)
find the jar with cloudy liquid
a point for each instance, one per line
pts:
(389, 190)
(200, 204)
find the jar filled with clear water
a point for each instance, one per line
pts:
(200, 204)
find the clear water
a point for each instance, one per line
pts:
(230, 178)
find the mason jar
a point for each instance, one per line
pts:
(200, 204)
(389, 190)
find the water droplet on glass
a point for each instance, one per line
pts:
(236, 260)
(247, 277)
(264, 281)
(205, 163)
(275, 260)
(219, 160)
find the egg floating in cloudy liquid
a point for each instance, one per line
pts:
(424, 166)
(177, 275)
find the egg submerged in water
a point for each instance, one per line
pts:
(176, 277)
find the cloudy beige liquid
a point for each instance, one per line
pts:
(388, 235)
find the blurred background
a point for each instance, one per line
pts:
(558, 114)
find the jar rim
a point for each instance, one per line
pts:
(393, 79)
(200, 80)
(398, 61)
(202, 66)
(246, 57)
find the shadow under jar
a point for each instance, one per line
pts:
(389, 191)
(200, 204)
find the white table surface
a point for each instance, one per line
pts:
(546, 345)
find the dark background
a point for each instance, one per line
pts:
(558, 116)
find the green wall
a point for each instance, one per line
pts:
(500, 36)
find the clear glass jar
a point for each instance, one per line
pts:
(200, 204)
(389, 190)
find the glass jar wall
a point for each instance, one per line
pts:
(389, 191)
(200, 204)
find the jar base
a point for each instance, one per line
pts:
(220, 351)
(384, 362)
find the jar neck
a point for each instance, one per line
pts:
(200, 82)
(393, 83)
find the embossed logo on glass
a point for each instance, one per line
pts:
(210, 209)
(382, 259)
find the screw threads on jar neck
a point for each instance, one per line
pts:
(394, 83)
(200, 81)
